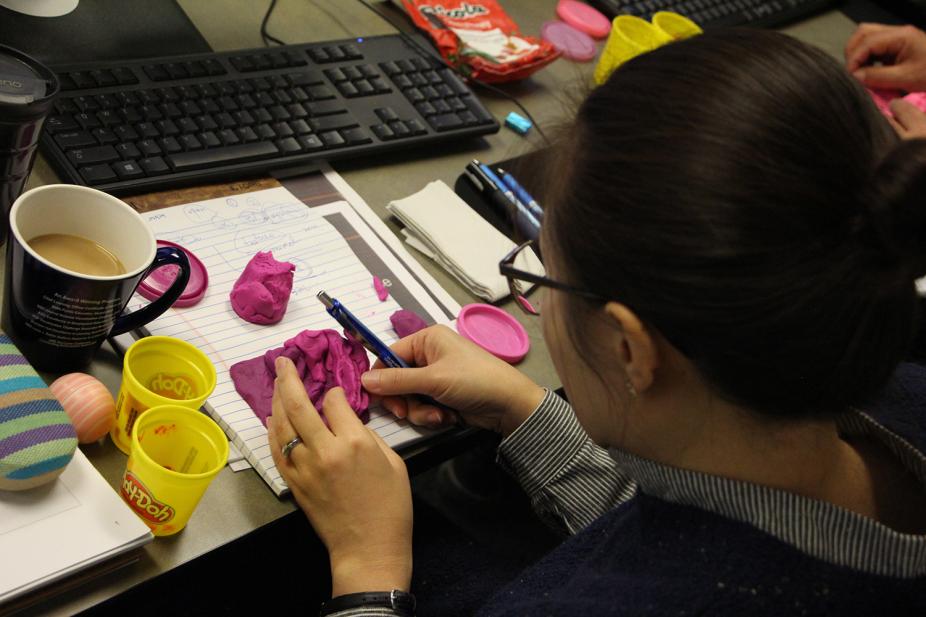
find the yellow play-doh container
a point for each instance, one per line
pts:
(630, 36)
(676, 26)
(159, 370)
(176, 451)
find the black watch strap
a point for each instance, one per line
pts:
(401, 602)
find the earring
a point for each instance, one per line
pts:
(630, 389)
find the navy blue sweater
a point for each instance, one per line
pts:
(649, 556)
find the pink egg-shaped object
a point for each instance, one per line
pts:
(88, 404)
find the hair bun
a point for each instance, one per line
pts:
(896, 206)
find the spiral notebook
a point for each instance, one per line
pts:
(334, 249)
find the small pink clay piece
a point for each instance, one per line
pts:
(495, 331)
(883, 98)
(584, 18)
(406, 322)
(88, 404)
(261, 293)
(572, 43)
(381, 291)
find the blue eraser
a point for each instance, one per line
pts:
(518, 123)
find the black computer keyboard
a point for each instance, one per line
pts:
(720, 13)
(151, 124)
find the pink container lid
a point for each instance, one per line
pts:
(494, 330)
(161, 279)
(583, 17)
(573, 44)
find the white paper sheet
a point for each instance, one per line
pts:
(327, 244)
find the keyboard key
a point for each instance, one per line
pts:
(383, 132)
(66, 106)
(86, 103)
(445, 122)
(188, 125)
(288, 145)
(282, 129)
(399, 129)
(97, 174)
(282, 97)
(386, 114)
(390, 68)
(83, 79)
(127, 170)
(351, 52)
(310, 142)
(327, 123)
(225, 120)
(320, 93)
(324, 108)
(402, 81)
(405, 65)
(87, 121)
(425, 108)
(222, 156)
(300, 127)
(206, 123)
(104, 136)
(246, 101)
(190, 109)
(245, 134)
(149, 147)
(335, 75)
(214, 67)
(350, 72)
(150, 113)
(107, 101)
(356, 136)
(421, 64)
(243, 118)
(456, 104)
(415, 127)
(154, 166)
(278, 112)
(176, 70)
(348, 89)
(66, 82)
(128, 151)
(444, 90)
(335, 53)
(209, 139)
(127, 98)
(450, 78)
(228, 137)
(319, 55)
(167, 127)
(196, 68)
(264, 131)
(379, 84)
(169, 144)
(90, 156)
(147, 130)
(364, 87)
(468, 118)
(442, 107)
(56, 124)
(189, 142)
(75, 139)
(156, 72)
(414, 95)
(332, 139)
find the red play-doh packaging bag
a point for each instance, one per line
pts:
(480, 39)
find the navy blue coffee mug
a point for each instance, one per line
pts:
(59, 316)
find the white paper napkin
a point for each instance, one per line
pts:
(442, 226)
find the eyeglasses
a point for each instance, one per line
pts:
(517, 279)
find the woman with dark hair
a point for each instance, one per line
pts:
(731, 239)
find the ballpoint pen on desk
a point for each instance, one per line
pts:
(503, 198)
(521, 193)
(360, 332)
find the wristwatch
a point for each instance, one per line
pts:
(401, 602)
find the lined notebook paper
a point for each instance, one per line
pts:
(333, 250)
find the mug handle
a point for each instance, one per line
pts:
(165, 256)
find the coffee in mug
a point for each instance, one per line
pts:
(78, 254)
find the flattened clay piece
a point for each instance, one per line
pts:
(323, 359)
(261, 293)
(406, 322)
(381, 292)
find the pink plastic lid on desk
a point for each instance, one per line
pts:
(161, 279)
(494, 330)
(583, 17)
(573, 44)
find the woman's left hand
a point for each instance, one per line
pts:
(352, 486)
(908, 120)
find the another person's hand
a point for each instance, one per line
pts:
(901, 49)
(908, 120)
(485, 391)
(351, 485)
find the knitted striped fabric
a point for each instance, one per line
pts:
(37, 439)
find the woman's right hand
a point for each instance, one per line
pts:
(484, 390)
(902, 49)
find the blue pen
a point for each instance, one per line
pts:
(360, 332)
(522, 208)
(521, 193)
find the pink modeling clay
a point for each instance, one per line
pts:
(261, 293)
(406, 322)
(381, 292)
(883, 98)
(323, 359)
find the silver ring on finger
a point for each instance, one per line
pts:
(289, 445)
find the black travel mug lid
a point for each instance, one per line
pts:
(24, 82)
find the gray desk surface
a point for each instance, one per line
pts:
(236, 504)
